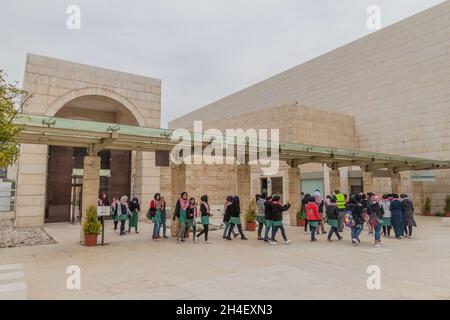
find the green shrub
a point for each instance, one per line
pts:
(427, 205)
(91, 225)
(250, 214)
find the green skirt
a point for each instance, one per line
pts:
(386, 222)
(157, 217)
(205, 220)
(261, 220)
(183, 216)
(235, 220)
(313, 223)
(123, 217)
(190, 223)
(277, 223)
(134, 219)
(163, 216)
(333, 223)
(269, 223)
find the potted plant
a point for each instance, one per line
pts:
(426, 209)
(250, 216)
(447, 207)
(91, 227)
(301, 218)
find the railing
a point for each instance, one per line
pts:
(7, 200)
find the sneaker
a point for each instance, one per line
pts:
(228, 238)
(340, 238)
(287, 242)
(329, 240)
(165, 237)
(355, 241)
(273, 243)
(244, 238)
(236, 235)
(377, 245)
(313, 240)
(267, 241)
(259, 238)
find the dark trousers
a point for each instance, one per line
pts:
(204, 231)
(115, 225)
(387, 230)
(306, 225)
(335, 231)
(260, 228)
(275, 230)
(122, 226)
(239, 229)
(313, 232)
(408, 231)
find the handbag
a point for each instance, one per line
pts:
(373, 222)
(366, 216)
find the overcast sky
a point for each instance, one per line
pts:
(202, 50)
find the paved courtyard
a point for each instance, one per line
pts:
(135, 267)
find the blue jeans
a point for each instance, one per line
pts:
(377, 232)
(356, 231)
(163, 225)
(313, 232)
(156, 229)
(283, 232)
(266, 233)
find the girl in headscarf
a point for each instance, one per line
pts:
(124, 213)
(135, 207)
(321, 206)
(386, 204)
(156, 207)
(408, 215)
(114, 212)
(235, 219)
(227, 216)
(163, 219)
(206, 214)
(192, 216)
(181, 212)
(397, 216)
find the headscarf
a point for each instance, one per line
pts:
(184, 203)
(124, 200)
(205, 203)
(317, 196)
(158, 203)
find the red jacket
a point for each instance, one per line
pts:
(312, 212)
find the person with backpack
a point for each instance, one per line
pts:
(340, 202)
(313, 216)
(376, 213)
(332, 214)
(277, 219)
(355, 209)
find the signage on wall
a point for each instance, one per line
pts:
(103, 211)
(423, 176)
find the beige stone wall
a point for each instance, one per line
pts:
(394, 82)
(54, 84)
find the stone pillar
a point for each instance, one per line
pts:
(368, 185)
(335, 180)
(243, 188)
(396, 183)
(147, 180)
(31, 186)
(91, 186)
(417, 196)
(294, 191)
(178, 183)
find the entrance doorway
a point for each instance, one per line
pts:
(65, 180)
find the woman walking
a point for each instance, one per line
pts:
(277, 218)
(228, 209)
(135, 208)
(408, 216)
(332, 214)
(321, 206)
(114, 212)
(124, 213)
(156, 208)
(397, 216)
(355, 207)
(163, 223)
(181, 212)
(192, 217)
(268, 218)
(376, 214)
(235, 219)
(261, 214)
(313, 216)
(386, 221)
(205, 215)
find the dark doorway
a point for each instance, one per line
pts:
(65, 178)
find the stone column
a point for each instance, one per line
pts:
(368, 185)
(396, 183)
(335, 180)
(147, 181)
(91, 187)
(294, 191)
(243, 188)
(417, 196)
(178, 183)
(31, 186)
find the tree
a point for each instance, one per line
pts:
(12, 100)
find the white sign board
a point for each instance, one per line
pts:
(103, 211)
(423, 176)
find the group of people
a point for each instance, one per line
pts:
(381, 215)
(391, 212)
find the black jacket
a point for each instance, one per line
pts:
(268, 211)
(277, 211)
(332, 212)
(375, 210)
(357, 212)
(228, 213)
(204, 211)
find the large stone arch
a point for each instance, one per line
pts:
(59, 103)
